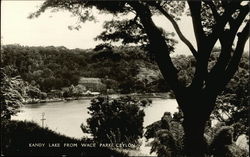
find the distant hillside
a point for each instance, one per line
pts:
(122, 69)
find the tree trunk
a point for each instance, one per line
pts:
(196, 114)
(194, 142)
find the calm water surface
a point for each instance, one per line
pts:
(62, 117)
(66, 117)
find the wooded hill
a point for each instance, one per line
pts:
(122, 69)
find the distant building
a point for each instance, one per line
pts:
(55, 93)
(92, 84)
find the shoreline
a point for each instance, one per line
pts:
(166, 95)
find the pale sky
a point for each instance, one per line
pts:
(51, 29)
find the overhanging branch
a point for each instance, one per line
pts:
(234, 62)
(195, 9)
(160, 48)
(218, 29)
(226, 38)
(178, 31)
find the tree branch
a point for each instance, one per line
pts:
(218, 30)
(244, 10)
(159, 46)
(178, 31)
(203, 44)
(195, 9)
(226, 39)
(214, 10)
(234, 62)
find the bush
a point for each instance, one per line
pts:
(223, 146)
(168, 136)
(115, 120)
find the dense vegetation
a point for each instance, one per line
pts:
(50, 68)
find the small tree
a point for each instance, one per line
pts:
(115, 120)
(10, 98)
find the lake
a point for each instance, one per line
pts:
(66, 117)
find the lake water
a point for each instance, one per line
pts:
(66, 117)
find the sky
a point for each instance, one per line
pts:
(51, 29)
(48, 29)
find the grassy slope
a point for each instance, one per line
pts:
(16, 136)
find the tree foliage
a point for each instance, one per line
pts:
(44, 67)
(115, 120)
(15, 91)
(10, 97)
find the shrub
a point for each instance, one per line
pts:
(223, 146)
(168, 136)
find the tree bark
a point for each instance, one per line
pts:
(196, 105)
(195, 144)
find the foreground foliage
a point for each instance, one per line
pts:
(168, 137)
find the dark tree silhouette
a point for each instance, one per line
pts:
(213, 21)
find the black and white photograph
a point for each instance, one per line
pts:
(124, 78)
